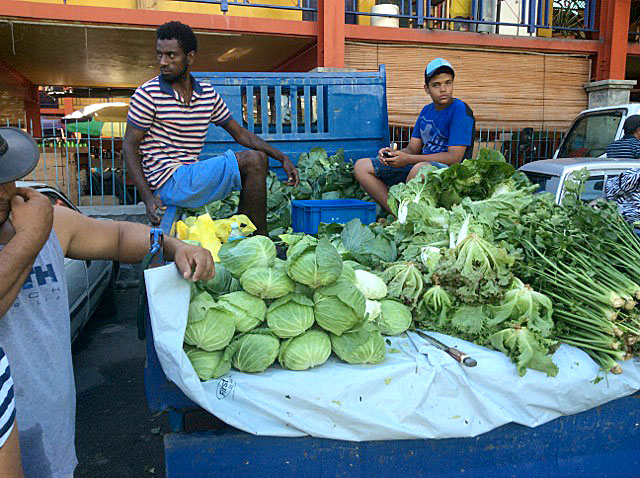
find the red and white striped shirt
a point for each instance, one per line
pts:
(175, 131)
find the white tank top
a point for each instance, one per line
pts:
(36, 338)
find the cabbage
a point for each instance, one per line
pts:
(313, 262)
(222, 283)
(255, 351)
(267, 282)
(207, 365)
(364, 345)
(404, 282)
(213, 332)
(348, 273)
(370, 285)
(290, 315)
(241, 255)
(248, 311)
(305, 351)
(199, 304)
(372, 309)
(394, 317)
(339, 307)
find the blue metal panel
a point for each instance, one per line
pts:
(350, 111)
(602, 442)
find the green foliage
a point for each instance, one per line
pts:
(241, 255)
(213, 332)
(311, 261)
(248, 311)
(394, 317)
(364, 345)
(526, 350)
(305, 351)
(207, 365)
(267, 282)
(290, 316)
(339, 307)
(255, 351)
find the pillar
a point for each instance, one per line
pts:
(331, 33)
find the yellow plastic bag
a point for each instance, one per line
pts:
(212, 233)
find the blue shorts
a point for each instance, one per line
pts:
(197, 184)
(391, 176)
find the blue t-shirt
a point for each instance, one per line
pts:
(439, 129)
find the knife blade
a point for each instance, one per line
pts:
(458, 355)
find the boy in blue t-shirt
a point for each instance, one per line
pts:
(442, 135)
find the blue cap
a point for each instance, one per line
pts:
(435, 65)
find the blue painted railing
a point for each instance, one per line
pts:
(90, 170)
(569, 16)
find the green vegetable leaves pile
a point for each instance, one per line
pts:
(296, 311)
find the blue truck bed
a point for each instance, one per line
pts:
(296, 112)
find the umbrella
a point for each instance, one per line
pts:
(105, 112)
(90, 128)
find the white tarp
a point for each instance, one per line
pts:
(409, 395)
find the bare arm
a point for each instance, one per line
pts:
(31, 220)
(249, 140)
(82, 237)
(131, 151)
(412, 155)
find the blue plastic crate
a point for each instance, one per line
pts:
(306, 215)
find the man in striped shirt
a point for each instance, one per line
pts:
(627, 147)
(166, 128)
(625, 189)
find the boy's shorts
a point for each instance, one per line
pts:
(391, 176)
(197, 184)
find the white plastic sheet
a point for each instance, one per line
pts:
(409, 395)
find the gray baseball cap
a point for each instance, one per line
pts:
(18, 154)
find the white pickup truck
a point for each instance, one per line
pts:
(584, 146)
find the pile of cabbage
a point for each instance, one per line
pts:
(259, 309)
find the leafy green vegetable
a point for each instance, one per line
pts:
(404, 282)
(370, 285)
(198, 306)
(394, 318)
(241, 255)
(267, 282)
(213, 332)
(255, 351)
(290, 316)
(339, 307)
(313, 262)
(207, 365)
(525, 349)
(364, 345)
(248, 311)
(521, 304)
(367, 245)
(305, 351)
(221, 283)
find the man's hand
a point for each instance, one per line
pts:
(31, 215)
(195, 263)
(381, 154)
(397, 159)
(293, 177)
(153, 205)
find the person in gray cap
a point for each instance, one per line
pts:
(35, 324)
(442, 136)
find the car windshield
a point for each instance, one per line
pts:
(546, 183)
(591, 134)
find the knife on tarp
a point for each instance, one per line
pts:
(458, 355)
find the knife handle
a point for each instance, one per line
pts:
(461, 357)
